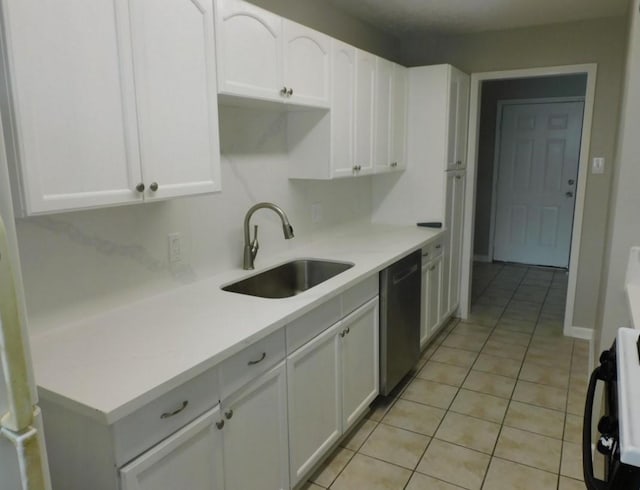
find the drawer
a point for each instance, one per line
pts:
(360, 294)
(303, 329)
(437, 248)
(251, 362)
(148, 425)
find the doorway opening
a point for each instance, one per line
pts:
(529, 138)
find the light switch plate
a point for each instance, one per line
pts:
(598, 165)
(175, 247)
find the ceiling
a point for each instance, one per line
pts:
(403, 17)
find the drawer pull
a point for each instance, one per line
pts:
(166, 415)
(253, 363)
(228, 414)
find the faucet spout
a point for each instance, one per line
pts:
(251, 247)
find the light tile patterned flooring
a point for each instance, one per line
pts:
(495, 403)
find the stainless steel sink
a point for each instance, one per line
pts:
(288, 279)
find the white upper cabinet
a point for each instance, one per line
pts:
(382, 115)
(307, 57)
(262, 56)
(399, 102)
(74, 122)
(390, 116)
(343, 85)
(174, 64)
(365, 94)
(80, 133)
(458, 112)
(249, 43)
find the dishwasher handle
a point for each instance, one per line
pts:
(402, 275)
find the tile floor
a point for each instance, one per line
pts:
(495, 402)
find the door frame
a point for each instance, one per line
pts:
(588, 69)
(496, 154)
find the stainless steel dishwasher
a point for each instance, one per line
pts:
(400, 294)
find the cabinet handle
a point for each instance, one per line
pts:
(283, 91)
(228, 414)
(153, 187)
(166, 415)
(140, 187)
(258, 361)
(220, 424)
(290, 92)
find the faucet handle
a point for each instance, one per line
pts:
(254, 243)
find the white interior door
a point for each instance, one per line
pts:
(539, 151)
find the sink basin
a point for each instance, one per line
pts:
(288, 279)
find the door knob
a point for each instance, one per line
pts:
(569, 194)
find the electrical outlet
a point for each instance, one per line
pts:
(175, 247)
(316, 212)
(598, 165)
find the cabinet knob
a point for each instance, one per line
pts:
(432, 268)
(290, 92)
(154, 186)
(140, 187)
(394, 164)
(357, 168)
(347, 331)
(283, 91)
(459, 162)
(569, 194)
(220, 424)
(228, 414)
(457, 177)
(343, 333)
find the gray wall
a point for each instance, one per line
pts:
(624, 231)
(601, 41)
(492, 92)
(324, 17)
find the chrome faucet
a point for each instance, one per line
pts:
(251, 247)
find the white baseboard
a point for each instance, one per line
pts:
(481, 258)
(579, 332)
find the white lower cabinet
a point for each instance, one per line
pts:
(191, 458)
(255, 435)
(331, 381)
(433, 292)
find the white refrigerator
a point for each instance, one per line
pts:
(23, 460)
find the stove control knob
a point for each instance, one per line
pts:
(606, 444)
(607, 425)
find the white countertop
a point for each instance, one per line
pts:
(110, 365)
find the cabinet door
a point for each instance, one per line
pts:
(360, 361)
(314, 386)
(249, 43)
(434, 308)
(425, 305)
(191, 458)
(400, 94)
(382, 115)
(343, 83)
(174, 60)
(455, 202)
(255, 434)
(306, 60)
(458, 119)
(365, 98)
(74, 127)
